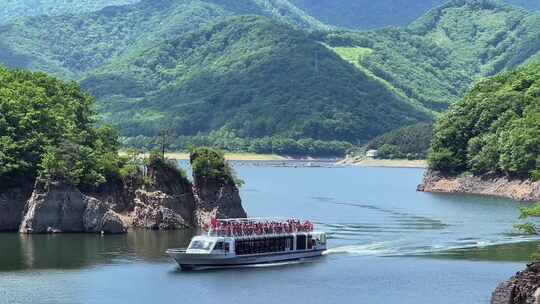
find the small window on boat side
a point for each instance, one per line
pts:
(219, 246)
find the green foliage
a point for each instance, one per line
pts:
(495, 128)
(435, 60)
(256, 77)
(527, 228)
(47, 125)
(525, 213)
(156, 159)
(411, 142)
(210, 163)
(224, 139)
(13, 9)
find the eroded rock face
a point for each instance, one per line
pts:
(517, 189)
(98, 217)
(217, 197)
(56, 207)
(523, 288)
(12, 204)
(159, 210)
(167, 202)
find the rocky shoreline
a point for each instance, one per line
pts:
(522, 288)
(163, 200)
(501, 186)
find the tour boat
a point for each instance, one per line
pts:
(239, 242)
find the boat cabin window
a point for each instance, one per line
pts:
(263, 245)
(218, 246)
(201, 245)
(301, 242)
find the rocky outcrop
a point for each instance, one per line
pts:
(12, 204)
(58, 207)
(523, 288)
(217, 197)
(98, 217)
(158, 210)
(161, 198)
(517, 189)
(166, 202)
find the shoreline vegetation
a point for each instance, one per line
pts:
(488, 142)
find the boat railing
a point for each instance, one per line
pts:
(257, 227)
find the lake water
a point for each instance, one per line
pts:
(388, 244)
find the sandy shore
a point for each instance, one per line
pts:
(389, 163)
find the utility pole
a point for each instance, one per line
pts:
(164, 140)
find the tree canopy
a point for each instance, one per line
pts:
(494, 129)
(47, 128)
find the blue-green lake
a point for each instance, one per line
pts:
(388, 244)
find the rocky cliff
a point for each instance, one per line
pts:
(517, 189)
(216, 192)
(163, 199)
(523, 288)
(12, 204)
(56, 207)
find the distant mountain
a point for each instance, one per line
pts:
(252, 75)
(260, 68)
(13, 9)
(369, 14)
(437, 58)
(71, 45)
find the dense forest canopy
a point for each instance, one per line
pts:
(13, 9)
(494, 129)
(47, 128)
(202, 68)
(436, 59)
(254, 76)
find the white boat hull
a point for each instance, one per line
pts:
(195, 261)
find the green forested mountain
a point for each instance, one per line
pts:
(14, 9)
(253, 75)
(368, 14)
(70, 45)
(494, 129)
(436, 59)
(267, 69)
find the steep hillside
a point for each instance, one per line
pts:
(435, 59)
(253, 75)
(71, 45)
(494, 129)
(13, 9)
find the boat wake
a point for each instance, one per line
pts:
(373, 249)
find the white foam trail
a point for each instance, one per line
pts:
(379, 248)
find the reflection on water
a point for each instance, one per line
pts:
(67, 251)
